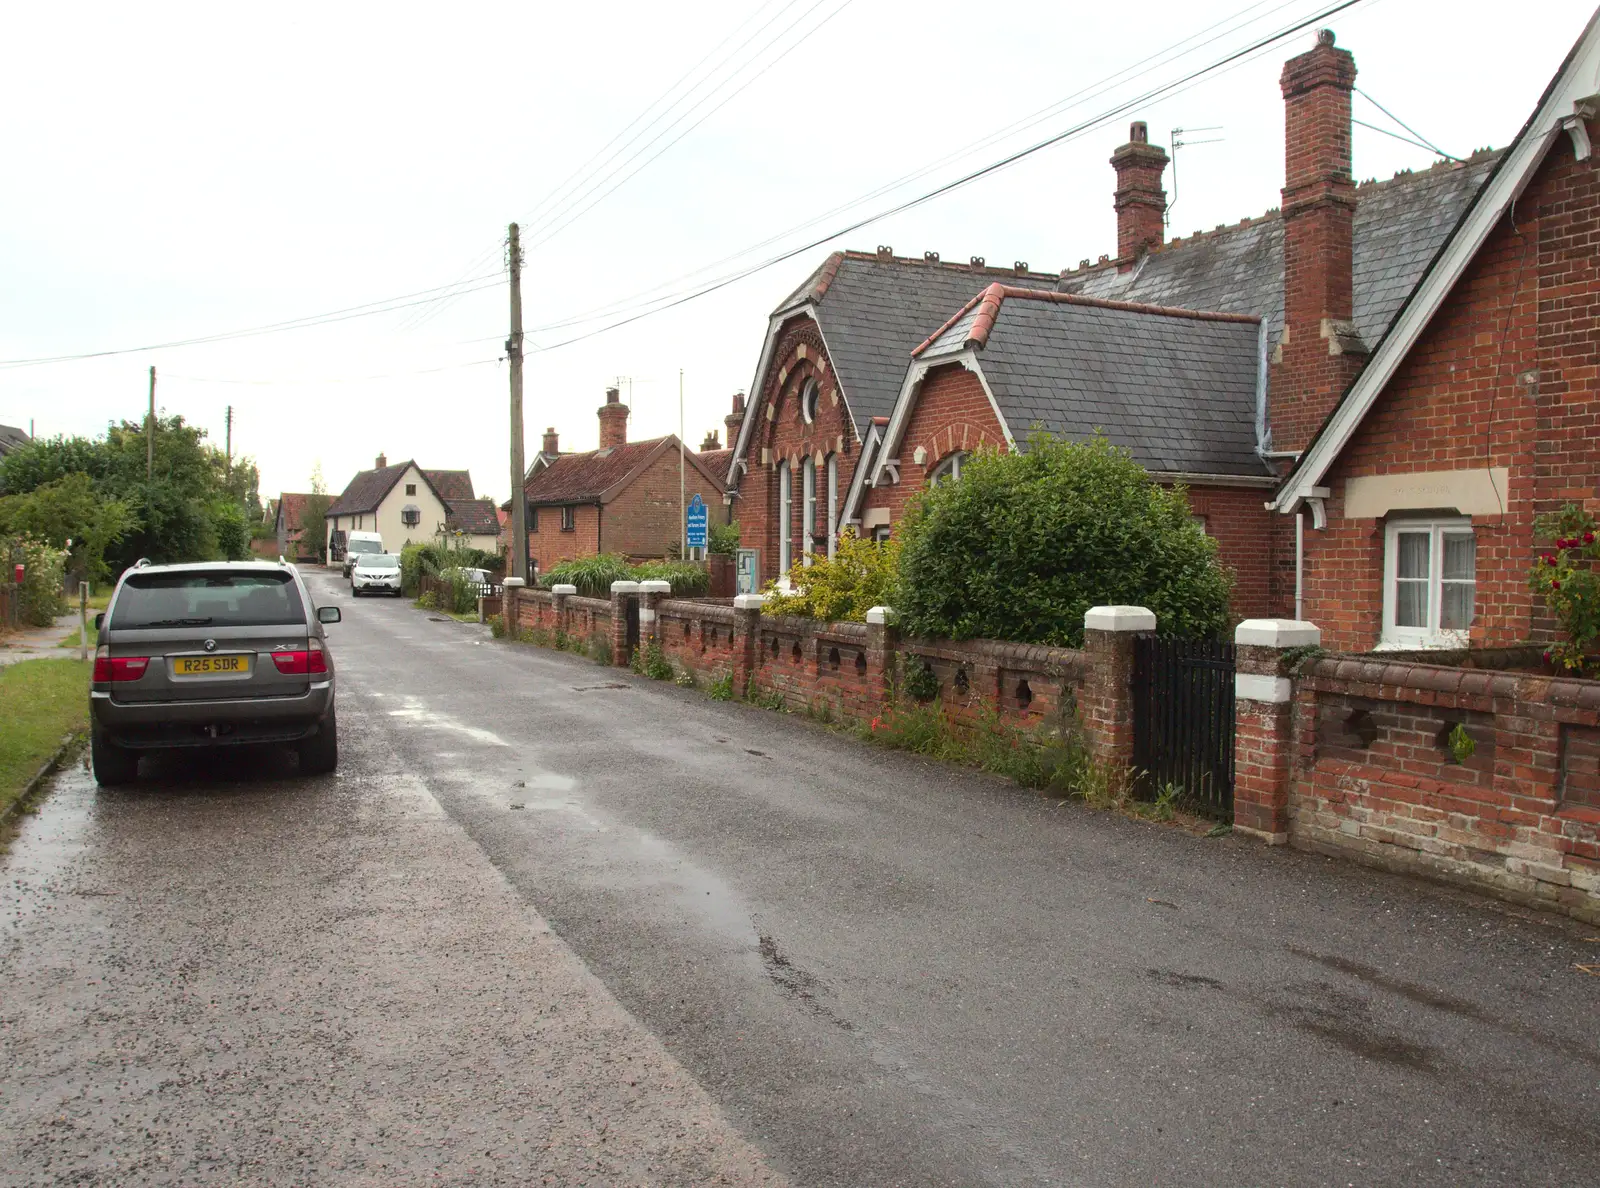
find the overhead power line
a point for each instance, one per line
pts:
(968, 178)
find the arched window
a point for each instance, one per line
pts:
(950, 468)
(810, 397)
(785, 518)
(808, 508)
(833, 501)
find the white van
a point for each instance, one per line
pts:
(357, 543)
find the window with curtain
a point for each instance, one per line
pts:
(785, 518)
(1430, 582)
(808, 509)
(833, 501)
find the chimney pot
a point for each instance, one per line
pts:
(1138, 132)
(613, 396)
(552, 441)
(380, 461)
(711, 442)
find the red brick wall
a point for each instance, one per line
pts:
(644, 519)
(781, 432)
(1506, 375)
(550, 545)
(952, 413)
(698, 637)
(1238, 519)
(1372, 774)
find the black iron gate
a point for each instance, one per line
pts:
(1183, 720)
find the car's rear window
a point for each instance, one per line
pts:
(201, 599)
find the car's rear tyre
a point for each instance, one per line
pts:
(112, 765)
(319, 754)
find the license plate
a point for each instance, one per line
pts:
(191, 666)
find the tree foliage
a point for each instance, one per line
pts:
(69, 509)
(191, 505)
(1025, 543)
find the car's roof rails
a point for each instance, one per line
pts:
(141, 562)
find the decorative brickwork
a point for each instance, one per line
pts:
(1375, 774)
(788, 431)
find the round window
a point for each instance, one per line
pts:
(810, 397)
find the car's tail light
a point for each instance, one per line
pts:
(118, 668)
(306, 663)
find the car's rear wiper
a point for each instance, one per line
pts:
(179, 622)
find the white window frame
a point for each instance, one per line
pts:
(1432, 636)
(808, 509)
(785, 519)
(833, 502)
(949, 467)
(810, 400)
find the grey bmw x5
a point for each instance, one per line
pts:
(211, 655)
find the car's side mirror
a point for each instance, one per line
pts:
(100, 621)
(328, 614)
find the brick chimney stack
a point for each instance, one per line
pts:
(734, 419)
(1141, 202)
(552, 442)
(1319, 352)
(613, 421)
(380, 461)
(711, 442)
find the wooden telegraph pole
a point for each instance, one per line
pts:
(150, 431)
(519, 508)
(227, 471)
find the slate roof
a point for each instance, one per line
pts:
(1399, 225)
(453, 486)
(366, 491)
(477, 517)
(873, 309)
(12, 438)
(1178, 389)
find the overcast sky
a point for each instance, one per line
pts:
(181, 170)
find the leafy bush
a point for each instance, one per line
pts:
(721, 689)
(1567, 582)
(592, 575)
(859, 576)
(44, 575)
(688, 578)
(428, 601)
(463, 592)
(1025, 543)
(69, 508)
(723, 539)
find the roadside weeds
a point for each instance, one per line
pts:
(44, 704)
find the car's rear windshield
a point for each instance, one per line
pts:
(366, 546)
(381, 561)
(196, 598)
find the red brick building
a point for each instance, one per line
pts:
(620, 498)
(1415, 498)
(1320, 279)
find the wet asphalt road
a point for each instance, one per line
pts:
(881, 971)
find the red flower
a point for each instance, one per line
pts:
(876, 723)
(1588, 538)
(1547, 657)
(1555, 585)
(1548, 559)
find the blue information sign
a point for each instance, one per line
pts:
(695, 523)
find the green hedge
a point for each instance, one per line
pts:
(593, 575)
(1025, 543)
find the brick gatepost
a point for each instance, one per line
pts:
(650, 595)
(622, 596)
(882, 638)
(1263, 724)
(559, 593)
(1108, 635)
(511, 604)
(746, 638)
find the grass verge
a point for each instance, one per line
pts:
(40, 702)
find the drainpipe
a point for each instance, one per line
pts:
(1299, 564)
